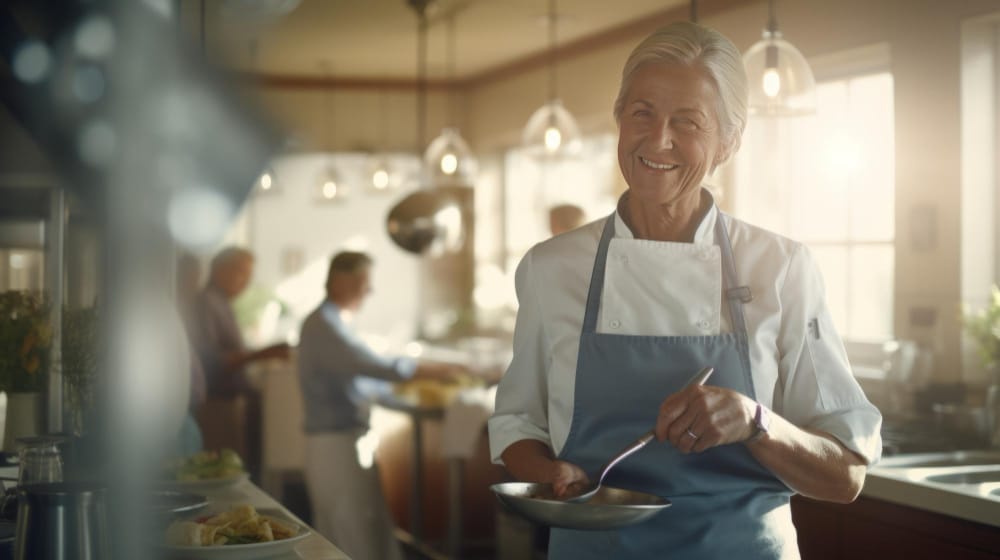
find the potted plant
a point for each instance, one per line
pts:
(984, 328)
(25, 336)
(79, 365)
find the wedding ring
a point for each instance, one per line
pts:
(692, 434)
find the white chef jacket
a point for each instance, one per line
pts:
(798, 362)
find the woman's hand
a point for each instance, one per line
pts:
(703, 416)
(568, 480)
(532, 461)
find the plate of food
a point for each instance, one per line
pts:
(205, 470)
(241, 533)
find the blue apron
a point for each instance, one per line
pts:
(725, 504)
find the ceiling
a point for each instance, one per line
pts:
(377, 39)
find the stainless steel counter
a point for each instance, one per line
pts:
(962, 484)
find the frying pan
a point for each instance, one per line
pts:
(610, 508)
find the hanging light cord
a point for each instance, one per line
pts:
(552, 50)
(331, 117)
(420, 6)
(772, 20)
(453, 121)
(694, 11)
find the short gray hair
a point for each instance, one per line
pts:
(229, 256)
(688, 43)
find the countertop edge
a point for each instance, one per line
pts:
(896, 488)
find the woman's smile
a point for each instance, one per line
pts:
(658, 166)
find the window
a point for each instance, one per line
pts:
(514, 191)
(828, 181)
(534, 185)
(980, 192)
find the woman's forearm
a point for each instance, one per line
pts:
(529, 460)
(812, 463)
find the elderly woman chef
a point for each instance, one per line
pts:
(615, 318)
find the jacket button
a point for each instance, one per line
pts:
(704, 325)
(615, 324)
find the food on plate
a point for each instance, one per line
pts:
(205, 465)
(427, 392)
(240, 525)
(434, 393)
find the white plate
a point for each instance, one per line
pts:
(204, 484)
(244, 551)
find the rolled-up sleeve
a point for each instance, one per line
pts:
(522, 396)
(817, 389)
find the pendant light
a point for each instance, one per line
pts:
(781, 82)
(552, 131)
(329, 185)
(267, 182)
(381, 178)
(448, 157)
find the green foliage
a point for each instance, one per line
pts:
(80, 347)
(984, 328)
(25, 336)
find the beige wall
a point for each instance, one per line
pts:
(923, 38)
(361, 119)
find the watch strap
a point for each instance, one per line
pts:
(759, 424)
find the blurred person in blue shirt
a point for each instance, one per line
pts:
(339, 373)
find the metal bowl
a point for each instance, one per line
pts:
(610, 508)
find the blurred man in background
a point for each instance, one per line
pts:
(565, 217)
(231, 417)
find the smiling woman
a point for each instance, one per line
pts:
(634, 304)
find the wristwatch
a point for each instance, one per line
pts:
(761, 423)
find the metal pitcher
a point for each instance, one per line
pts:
(61, 521)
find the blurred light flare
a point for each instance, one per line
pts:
(32, 62)
(88, 83)
(198, 217)
(95, 37)
(97, 143)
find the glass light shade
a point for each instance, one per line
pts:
(329, 185)
(780, 80)
(381, 176)
(449, 159)
(552, 131)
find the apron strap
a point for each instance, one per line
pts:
(597, 276)
(736, 295)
